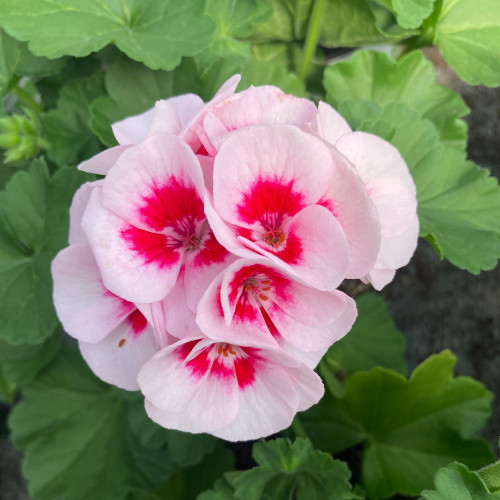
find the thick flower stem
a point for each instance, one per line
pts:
(27, 100)
(491, 476)
(312, 37)
(298, 428)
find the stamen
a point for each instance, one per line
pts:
(120, 344)
(266, 289)
(263, 297)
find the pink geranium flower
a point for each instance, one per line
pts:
(233, 392)
(114, 336)
(389, 185)
(178, 116)
(284, 194)
(149, 221)
(255, 303)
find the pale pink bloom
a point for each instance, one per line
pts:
(114, 336)
(264, 105)
(177, 115)
(390, 187)
(284, 194)
(233, 392)
(254, 303)
(148, 221)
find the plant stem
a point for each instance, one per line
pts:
(26, 99)
(312, 37)
(298, 428)
(491, 476)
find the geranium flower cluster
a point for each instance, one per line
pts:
(203, 269)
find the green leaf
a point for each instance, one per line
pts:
(223, 489)
(373, 341)
(131, 96)
(378, 78)
(66, 127)
(74, 434)
(34, 213)
(293, 471)
(457, 482)
(411, 13)
(185, 449)
(233, 21)
(156, 32)
(9, 56)
(21, 363)
(345, 23)
(409, 428)
(267, 73)
(468, 35)
(188, 482)
(288, 21)
(348, 23)
(460, 209)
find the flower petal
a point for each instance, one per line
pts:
(135, 264)
(133, 129)
(102, 162)
(118, 358)
(87, 310)
(386, 177)
(156, 184)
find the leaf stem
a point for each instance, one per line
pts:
(298, 428)
(27, 100)
(312, 37)
(491, 476)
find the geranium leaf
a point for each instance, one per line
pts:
(66, 127)
(34, 213)
(20, 364)
(185, 449)
(373, 341)
(468, 35)
(77, 444)
(456, 481)
(378, 78)
(410, 427)
(410, 14)
(269, 73)
(156, 32)
(287, 470)
(233, 23)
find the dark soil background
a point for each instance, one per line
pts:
(436, 305)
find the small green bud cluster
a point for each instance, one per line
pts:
(20, 136)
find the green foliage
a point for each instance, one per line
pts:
(373, 341)
(269, 73)
(34, 214)
(185, 449)
(19, 364)
(191, 481)
(66, 127)
(410, 14)
(409, 428)
(379, 79)
(77, 443)
(457, 482)
(157, 32)
(468, 35)
(233, 22)
(286, 471)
